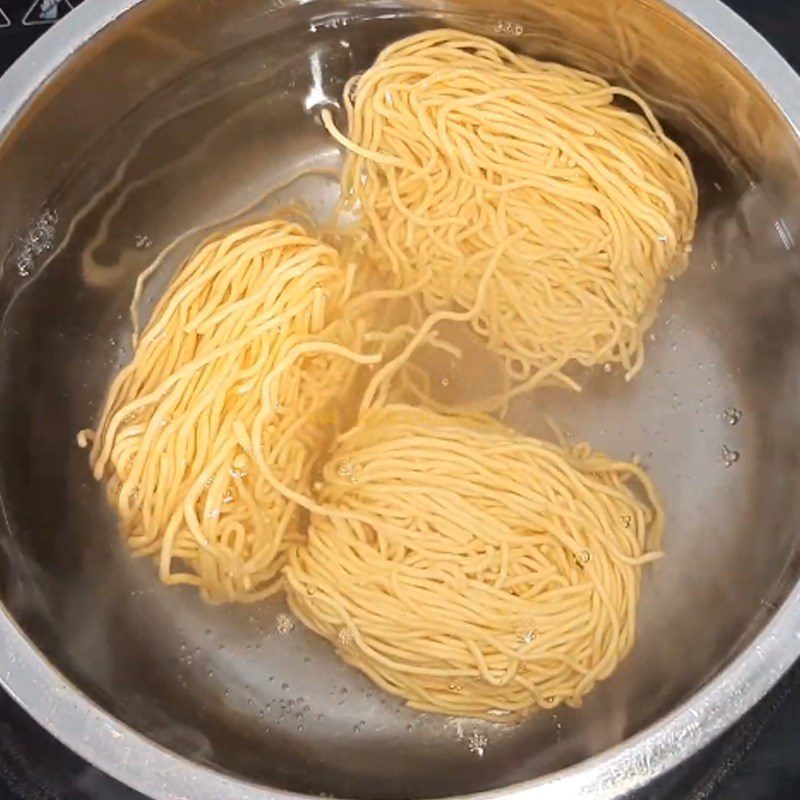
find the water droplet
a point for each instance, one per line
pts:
(477, 743)
(228, 496)
(732, 415)
(728, 457)
(142, 241)
(213, 513)
(455, 686)
(285, 686)
(284, 624)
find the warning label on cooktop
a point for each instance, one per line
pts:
(46, 12)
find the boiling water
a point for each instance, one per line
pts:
(247, 688)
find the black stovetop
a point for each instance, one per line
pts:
(759, 759)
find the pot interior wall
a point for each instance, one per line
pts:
(183, 114)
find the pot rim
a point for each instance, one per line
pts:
(133, 759)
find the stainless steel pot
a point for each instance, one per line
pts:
(133, 123)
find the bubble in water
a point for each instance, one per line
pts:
(344, 637)
(582, 559)
(38, 240)
(348, 469)
(142, 241)
(732, 415)
(509, 28)
(284, 624)
(477, 743)
(728, 457)
(527, 637)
